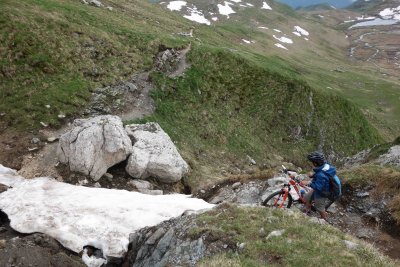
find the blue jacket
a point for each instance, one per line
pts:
(320, 181)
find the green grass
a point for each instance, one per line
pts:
(54, 53)
(302, 244)
(226, 104)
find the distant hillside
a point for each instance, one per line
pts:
(308, 3)
(372, 5)
(317, 7)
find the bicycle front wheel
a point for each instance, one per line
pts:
(278, 199)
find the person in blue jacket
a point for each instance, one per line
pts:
(320, 183)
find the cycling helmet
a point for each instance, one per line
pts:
(316, 156)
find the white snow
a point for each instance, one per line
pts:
(236, 1)
(77, 216)
(297, 33)
(249, 4)
(375, 22)
(365, 18)
(301, 30)
(176, 5)
(262, 27)
(283, 39)
(225, 9)
(280, 46)
(266, 6)
(214, 18)
(390, 13)
(197, 17)
(277, 30)
(246, 41)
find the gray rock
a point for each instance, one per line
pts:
(35, 140)
(364, 233)
(131, 86)
(350, 245)
(2, 243)
(277, 181)
(251, 161)
(154, 154)
(241, 246)
(2, 230)
(108, 176)
(3, 188)
(236, 185)
(275, 233)
(52, 139)
(154, 237)
(94, 145)
(362, 194)
(392, 157)
(141, 184)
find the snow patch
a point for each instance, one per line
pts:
(301, 30)
(262, 27)
(266, 6)
(283, 39)
(249, 4)
(390, 13)
(214, 18)
(198, 17)
(176, 5)
(277, 30)
(225, 9)
(297, 33)
(280, 46)
(77, 216)
(246, 41)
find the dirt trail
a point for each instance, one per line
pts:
(137, 104)
(182, 63)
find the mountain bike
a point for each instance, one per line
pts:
(283, 197)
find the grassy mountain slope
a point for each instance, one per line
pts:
(225, 104)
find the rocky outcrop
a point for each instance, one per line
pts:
(168, 244)
(392, 157)
(94, 145)
(154, 154)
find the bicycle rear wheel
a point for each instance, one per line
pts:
(278, 200)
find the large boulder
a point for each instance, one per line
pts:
(94, 145)
(154, 154)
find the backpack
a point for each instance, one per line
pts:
(335, 188)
